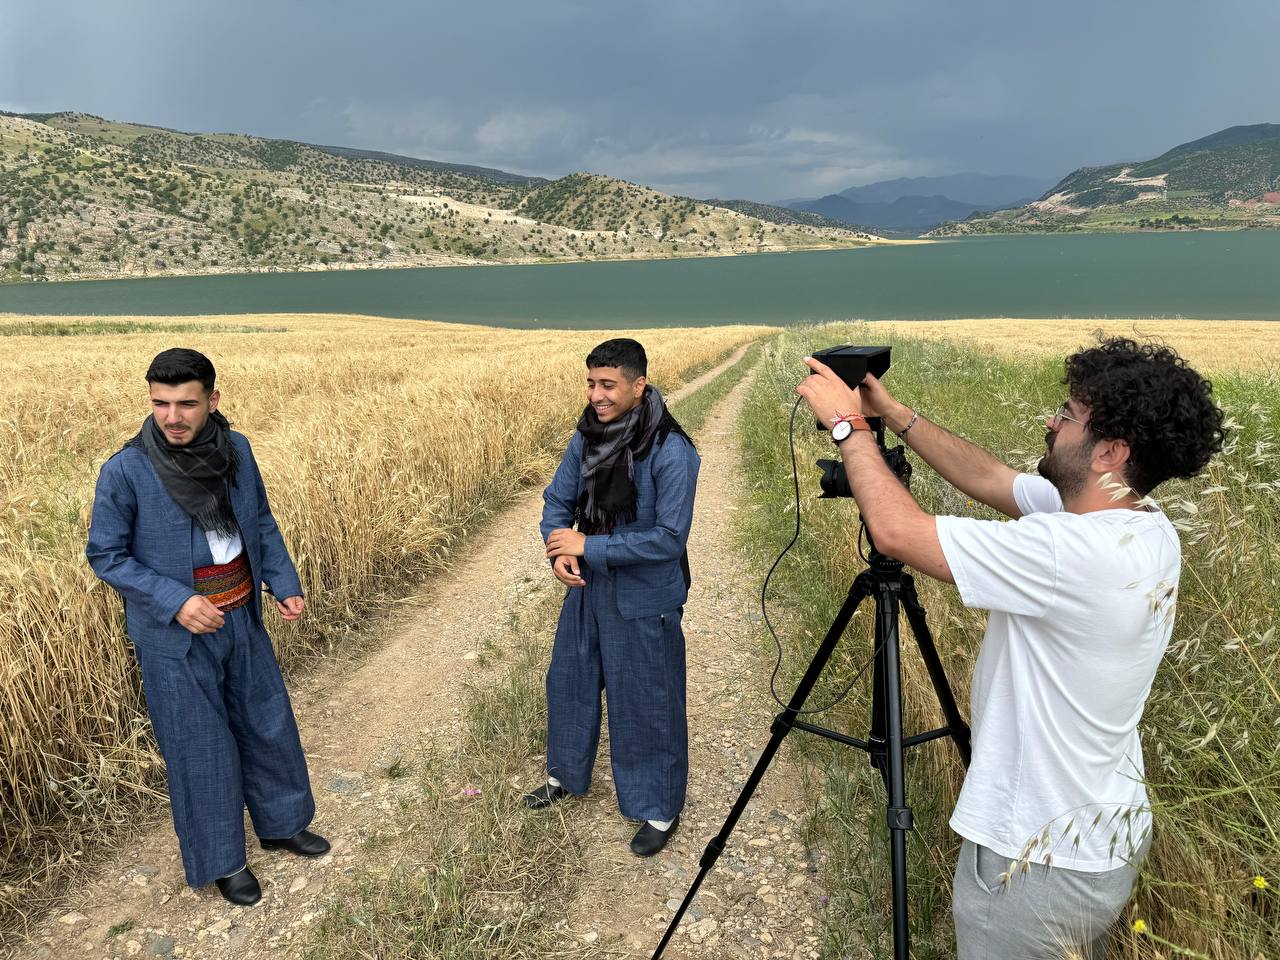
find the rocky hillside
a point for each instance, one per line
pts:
(84, 197)
(1228, 179)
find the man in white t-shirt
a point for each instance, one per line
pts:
(1081, 586)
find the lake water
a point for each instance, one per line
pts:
(1200, 275)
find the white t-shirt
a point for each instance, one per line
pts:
(1081, 611)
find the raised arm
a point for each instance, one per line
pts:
(965, 465)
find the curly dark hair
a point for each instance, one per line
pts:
(1146, 395)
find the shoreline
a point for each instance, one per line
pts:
(463, 262)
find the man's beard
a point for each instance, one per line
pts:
(1066, 469)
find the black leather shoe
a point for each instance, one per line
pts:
(649, 839)
(544, 796)
(240, 888)
(304, 843)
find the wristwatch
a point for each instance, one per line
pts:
(843, 429)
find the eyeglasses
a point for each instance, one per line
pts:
(1061, 414)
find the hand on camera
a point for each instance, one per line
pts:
(200, 615)
(876, 400)
(829, 397)
(567, 572)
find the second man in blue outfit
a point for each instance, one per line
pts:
(627, 484)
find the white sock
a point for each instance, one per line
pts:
(233, 872)
(663, 825)
(553, 782)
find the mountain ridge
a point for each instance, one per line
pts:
(913, 205)
(82, 196)
(1229, 179)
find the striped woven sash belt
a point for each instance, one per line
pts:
(227, 585)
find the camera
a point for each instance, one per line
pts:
(851, 364)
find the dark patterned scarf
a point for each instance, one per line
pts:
(198, 475)
(609, 455)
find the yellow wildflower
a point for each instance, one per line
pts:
(1139, 926)
(1261, 883)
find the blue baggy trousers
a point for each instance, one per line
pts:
(226, 730)
(640, 666)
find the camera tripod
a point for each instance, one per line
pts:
(891, 587)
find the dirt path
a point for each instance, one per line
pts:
(357, 719)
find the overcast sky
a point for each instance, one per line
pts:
(762, 100)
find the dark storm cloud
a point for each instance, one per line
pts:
(752, 99)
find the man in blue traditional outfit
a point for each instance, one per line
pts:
(182, 530)
(627, 483)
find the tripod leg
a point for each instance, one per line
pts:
(898, 814)
(959, 730)
(781, 726)
(877, 742)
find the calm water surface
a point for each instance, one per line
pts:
(1202, 275)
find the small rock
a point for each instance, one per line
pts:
(703, 929)
(132, 948)
(219, 926)
(161, 946)
(345, 784)
(236, 938)
(72, 918)
(298, 884)
(590, 936)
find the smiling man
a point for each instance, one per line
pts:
(627, 484)
(183, 531)
(1081, 588)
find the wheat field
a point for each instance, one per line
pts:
(381, 443)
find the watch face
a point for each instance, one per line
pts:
(841, 430)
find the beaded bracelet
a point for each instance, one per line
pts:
(910, 423)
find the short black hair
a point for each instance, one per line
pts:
(627, 355)
(179, 365)
(1146, 395)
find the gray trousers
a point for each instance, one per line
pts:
(1047, 912)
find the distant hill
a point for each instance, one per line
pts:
(82, 196)
(486, 173)
(1229, 179)
(914, 205)
(775, 214)
(905, 215)
(982, 191)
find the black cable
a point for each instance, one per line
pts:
(764, 589)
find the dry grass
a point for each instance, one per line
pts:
(381, 443)
(1217, 346)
